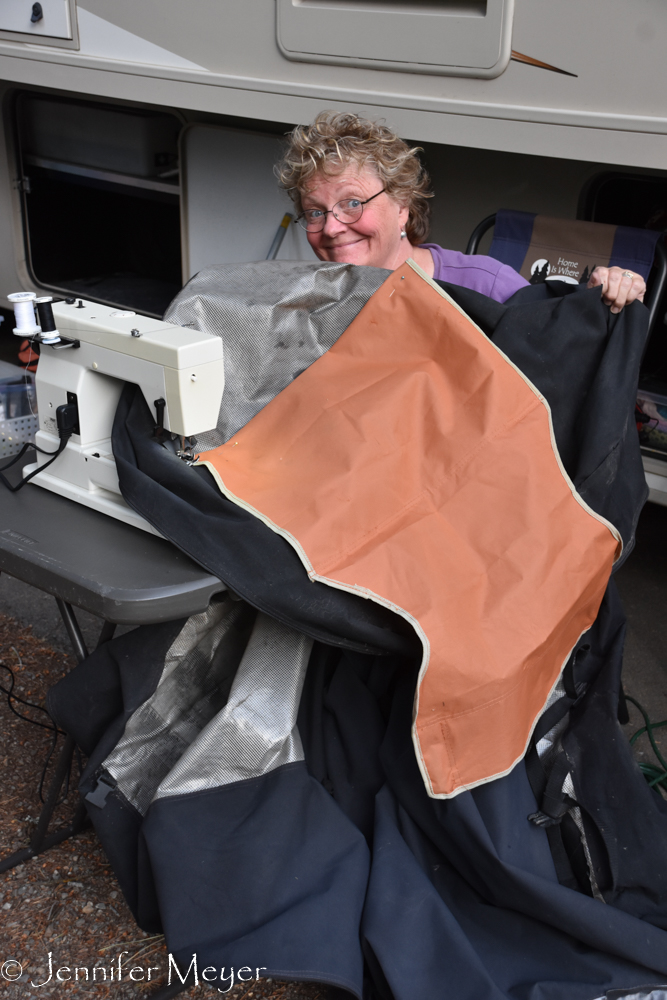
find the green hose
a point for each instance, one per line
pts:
(654, 775)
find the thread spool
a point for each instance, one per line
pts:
(24, 311)
(47, 322)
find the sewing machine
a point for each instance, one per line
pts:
(88, 351)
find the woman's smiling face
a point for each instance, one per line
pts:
(375, 238)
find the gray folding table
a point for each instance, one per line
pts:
(119, 573)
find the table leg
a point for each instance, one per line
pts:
(73, 630)
(106, 633)
(41, 840)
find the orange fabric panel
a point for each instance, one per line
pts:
(415, 464)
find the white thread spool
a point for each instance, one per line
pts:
(24, 311)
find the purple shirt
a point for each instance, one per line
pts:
(482, 274)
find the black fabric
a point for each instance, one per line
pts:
(271, 873)
(118, 826)
(512, 929)
(315, 867)
(342, 719)
(618, 811)
(629, 818)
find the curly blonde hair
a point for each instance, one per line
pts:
(336, 139)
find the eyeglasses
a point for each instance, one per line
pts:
(346, 211)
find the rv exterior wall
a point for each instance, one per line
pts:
(14, 272)
(469, 184)
(220, 56)
(529, 138)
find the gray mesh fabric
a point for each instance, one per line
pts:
(195, 683)
(275, 318)
(256, 730)
(639, 993)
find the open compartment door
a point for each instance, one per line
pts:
(231, 203)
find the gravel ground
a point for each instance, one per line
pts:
(66, 903)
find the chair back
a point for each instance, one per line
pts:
(542, 248)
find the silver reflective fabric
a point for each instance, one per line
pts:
(549, 746)
(660, 994)
(275, 318)
(256, 730)
(642, 994)
(195, 683)
(575, 813)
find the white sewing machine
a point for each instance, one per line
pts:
(87, 352)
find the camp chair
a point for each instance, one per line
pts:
(541, 248)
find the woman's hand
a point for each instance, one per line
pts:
(619, 288)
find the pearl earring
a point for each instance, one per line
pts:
(403, 234)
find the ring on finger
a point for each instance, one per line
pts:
(628, 274)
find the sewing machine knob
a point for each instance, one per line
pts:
(193, 378)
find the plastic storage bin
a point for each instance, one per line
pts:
(129, 142)
(18, 414)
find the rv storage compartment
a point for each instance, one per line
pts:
(102, 200)
(130, 142)
(18, 409)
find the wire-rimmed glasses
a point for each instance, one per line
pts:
(346, 211)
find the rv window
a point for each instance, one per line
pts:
(101, 195)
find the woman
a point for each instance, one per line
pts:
(362, 197)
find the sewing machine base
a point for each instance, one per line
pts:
(100, 499)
